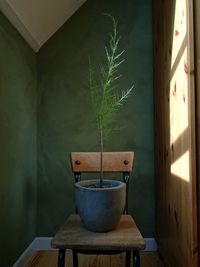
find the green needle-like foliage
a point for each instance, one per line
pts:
(106, 98)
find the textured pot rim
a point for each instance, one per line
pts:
(119, 184)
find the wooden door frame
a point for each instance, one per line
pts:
(197, 96)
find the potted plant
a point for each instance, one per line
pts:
(93, 196)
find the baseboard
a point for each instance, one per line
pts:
(44, 243)
(38, 243)
(151, 244)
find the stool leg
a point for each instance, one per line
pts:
(75, 258)
(61, 258)
(128, 258)
(136, 258)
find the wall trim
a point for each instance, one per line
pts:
(44, 243)
(11, 15)
(29, 36)
(151, 244)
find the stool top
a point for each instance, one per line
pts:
(73, 235)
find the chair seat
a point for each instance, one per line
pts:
(73, 235)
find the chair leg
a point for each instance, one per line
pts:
(75, 258)
(61, 258)
(128, 258)
(136, 258)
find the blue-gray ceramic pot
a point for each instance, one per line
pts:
(100, 209)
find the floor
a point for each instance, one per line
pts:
(49, 259)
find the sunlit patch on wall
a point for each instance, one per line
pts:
(180, 29)
(179, 114)
(179, 117)
(181, 167)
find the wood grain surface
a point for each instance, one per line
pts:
(197, 91)
(73, 235)
(176, 199)
(112, 161)
(49, 259)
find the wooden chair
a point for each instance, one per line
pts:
(125, 238)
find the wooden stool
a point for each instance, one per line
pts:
(73, 235)
(125, 238)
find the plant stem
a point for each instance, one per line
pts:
(105, 97)
(101, 155)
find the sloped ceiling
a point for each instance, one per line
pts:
(38, 20)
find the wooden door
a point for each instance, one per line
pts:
(197, 86)
(175, 132)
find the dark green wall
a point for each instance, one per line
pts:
(64, 117)
(18, 78)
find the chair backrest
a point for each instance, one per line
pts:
(89, 162)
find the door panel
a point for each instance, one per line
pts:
(175, 132)
(197, 86)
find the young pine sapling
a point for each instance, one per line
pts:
(105, 97)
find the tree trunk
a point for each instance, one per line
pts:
(101, 156)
